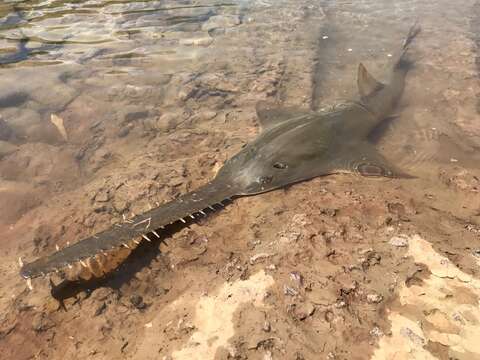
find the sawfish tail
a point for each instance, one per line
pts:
(404, 62)
(101, 253)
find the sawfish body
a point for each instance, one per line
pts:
(293, 146)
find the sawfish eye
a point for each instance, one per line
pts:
(367, 169)
(280, 165)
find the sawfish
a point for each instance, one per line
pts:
(293, 146)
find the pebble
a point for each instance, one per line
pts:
(202, 41)
(304, 310)
(376, 331)
(266, 326)
(137, 301)
(134, 116)
(297, 277)
(287, 290)
(258, 258)
(58, 122)
(204, 116)
(216, 32)
(416, 339)
(374, 298)
(124, 131)
(168, 121)
(399, 241)
(329, 212)
(102, 196)
(101, 309)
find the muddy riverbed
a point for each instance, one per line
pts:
(109, 108)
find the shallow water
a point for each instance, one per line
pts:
(108, 108)
(124, 63)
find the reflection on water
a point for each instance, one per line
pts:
(126, 78)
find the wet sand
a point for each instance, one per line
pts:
(340, 267)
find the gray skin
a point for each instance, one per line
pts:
(293, 146)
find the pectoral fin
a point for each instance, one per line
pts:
(367, 161)
(270, 114)
(367, 84)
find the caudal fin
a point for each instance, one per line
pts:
(404, 62)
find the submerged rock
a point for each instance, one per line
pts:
(399, 241)
(221, 21)
(461, 179)
(137, 302)
(374, 298)
(168, 121)
(198, 41)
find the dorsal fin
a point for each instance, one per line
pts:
(270, 114)
(367, 84)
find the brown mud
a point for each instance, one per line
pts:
(340, 267)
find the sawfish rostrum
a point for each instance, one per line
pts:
(293, 146)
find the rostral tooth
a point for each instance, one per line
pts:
(29, 284)
(95, 267)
